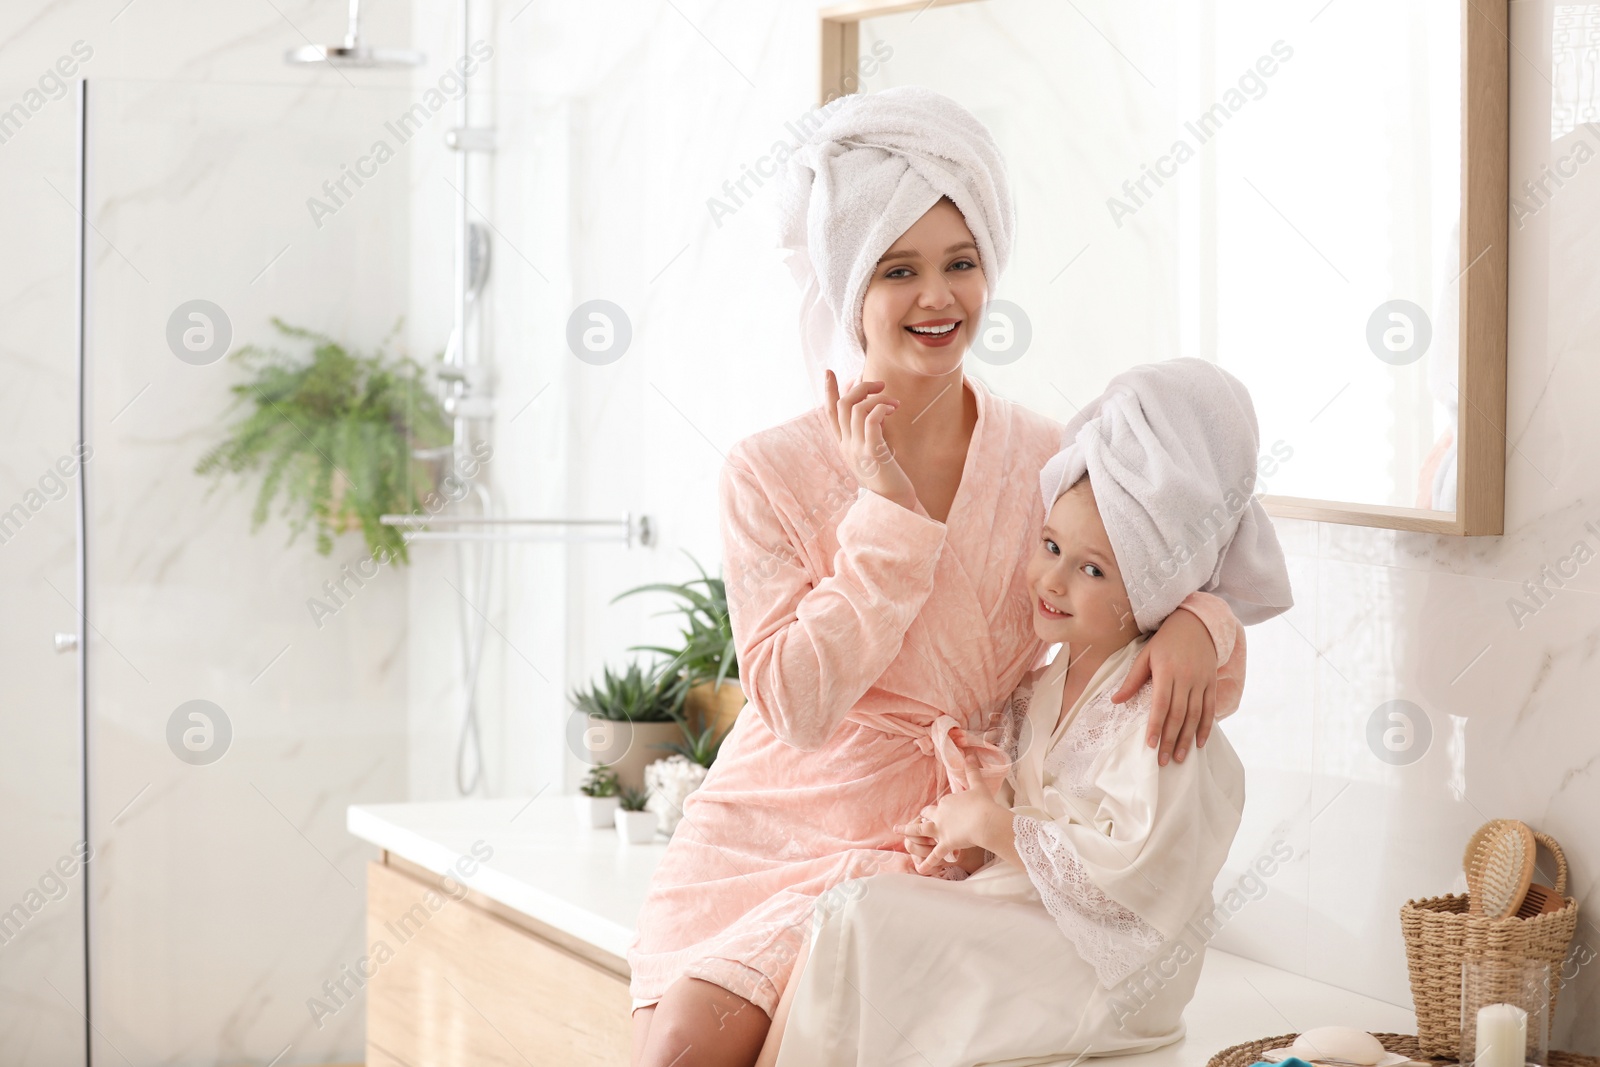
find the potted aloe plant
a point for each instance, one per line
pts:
(705, 667)
(634, 820)
(337, 433)
(630, 721)
(597, 798)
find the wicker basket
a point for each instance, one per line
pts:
(1440, 934)
(1406, 1044)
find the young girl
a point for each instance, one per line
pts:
(1085, 930)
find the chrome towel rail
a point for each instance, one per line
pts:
(630, 529)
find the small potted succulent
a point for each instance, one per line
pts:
(629, 721)
(597, 798)
(702, 747)
(635, 821)
(705, 668)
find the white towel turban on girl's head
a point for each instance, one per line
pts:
(873, 164)
(1171, 451)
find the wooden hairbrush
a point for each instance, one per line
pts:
(1499, 865)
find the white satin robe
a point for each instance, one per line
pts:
(1094, 948)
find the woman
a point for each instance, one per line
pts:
(874, 551)
(1086, 931)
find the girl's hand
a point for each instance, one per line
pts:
(1182, 663)
(928, 854)
(965, 820)
(858, 423)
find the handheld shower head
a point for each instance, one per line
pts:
(478, 256)
(352, 53)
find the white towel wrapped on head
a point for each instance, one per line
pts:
(1171, 451)
(874, 166)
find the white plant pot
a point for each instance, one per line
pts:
(636, 827)
(596, 812)
(670, 782)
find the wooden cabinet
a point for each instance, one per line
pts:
(463, 981)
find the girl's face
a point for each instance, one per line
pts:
(922, 304)
(1078, 593)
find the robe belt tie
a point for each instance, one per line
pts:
(948, 742)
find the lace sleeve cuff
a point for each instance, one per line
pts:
(1107, 935)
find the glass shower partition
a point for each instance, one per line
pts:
(41, 877)
(242, 689)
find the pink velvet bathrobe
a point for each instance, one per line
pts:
(873, 643)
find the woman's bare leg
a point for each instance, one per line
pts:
(641, 1032)
(701, 1024)
(780, 1015)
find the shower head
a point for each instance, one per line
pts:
(352, 53)
(344, 55)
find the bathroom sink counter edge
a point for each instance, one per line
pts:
(582, 888)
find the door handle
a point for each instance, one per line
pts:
(66, 642)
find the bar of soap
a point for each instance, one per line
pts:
(1338, 1043)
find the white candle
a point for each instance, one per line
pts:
(1502, 1036)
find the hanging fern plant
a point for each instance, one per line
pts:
(336, 434)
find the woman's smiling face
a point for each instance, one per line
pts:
(1078, 593)
(925, 296)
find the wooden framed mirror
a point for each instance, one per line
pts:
(1312, 195)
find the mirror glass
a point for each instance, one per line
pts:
(1275, 187)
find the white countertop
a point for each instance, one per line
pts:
(546, 865)
(590, 884)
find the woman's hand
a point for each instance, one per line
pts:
(858, 423)
(971, 859)
(1182, 663)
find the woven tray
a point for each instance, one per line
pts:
(1405, 1044)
